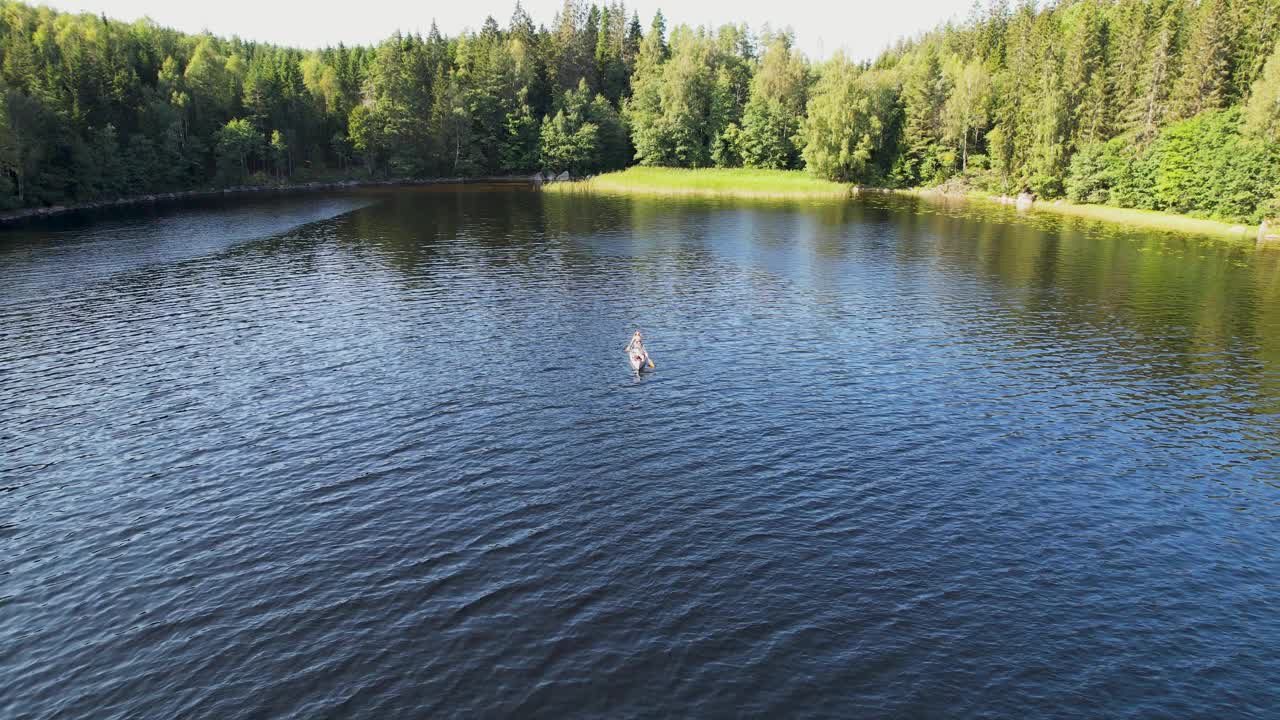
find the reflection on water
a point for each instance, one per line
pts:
(380, 454)
(37, 259)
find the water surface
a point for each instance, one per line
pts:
(380, 455)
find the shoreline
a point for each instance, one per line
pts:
(707, 183)
(679, 182)
(791, 185)
(26, 215)
(1128, 217)
(694, 193)
(579, 187)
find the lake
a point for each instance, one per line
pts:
(380, 454)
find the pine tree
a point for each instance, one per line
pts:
(10, 169)
(571, 48)
(644, 109)
(451, 124)
(658, 31)
(1008, 142)
(1153, 102)
(771, 119)
(1206, 64)
(1084, 70)
(1262, 114)
(631, 44)
(1049, 126)
(924, 94)
(1257, 25)
(611, 68)
(1129, 37)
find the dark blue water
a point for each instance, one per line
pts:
(381, 455)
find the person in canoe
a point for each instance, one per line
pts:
(636, 353)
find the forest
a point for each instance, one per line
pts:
(1170, 105)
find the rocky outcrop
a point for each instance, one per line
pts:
(549, 177)
(1023, 201)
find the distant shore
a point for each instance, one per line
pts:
(1129, 217)
(17, 217)
(706, 182)
(718, 182)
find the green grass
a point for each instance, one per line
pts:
(1127, 217)
(707, 182)
(1149, 219)
(739, 182)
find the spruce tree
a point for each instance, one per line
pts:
(924, 93)
(771, 120)
(1152, 102)
(1262, 114)
(1084, 71)
(1206, 65)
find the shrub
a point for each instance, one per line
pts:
(1201, 166)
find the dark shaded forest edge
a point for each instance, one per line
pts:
(1167, 105)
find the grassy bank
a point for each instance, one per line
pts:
(1149, 219)
(1128, 217)
(724, 182)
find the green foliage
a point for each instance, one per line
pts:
(1088, 93)
(1097, 170)
(851, 114)
(1206, 64)
(33, 134)
(520, 145)
(741, 182)
(1262, 114)
(278, 150)
(366, 136)
(104, 174)
(9, 158)
(567, 145)
(238, 144)
(924, 95)
(144, 164)
(682, 105)
(585, 136)
(770, 133)
(726, 150)
(968, 107)
(1157, 104)
(450, 128)
(614, 150)
(1202, 166)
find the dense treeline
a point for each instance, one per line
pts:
(1160, 104)
(94, 108)
(1154, 104)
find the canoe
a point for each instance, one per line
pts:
(640, 360)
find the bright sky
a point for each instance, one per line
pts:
(861, 27)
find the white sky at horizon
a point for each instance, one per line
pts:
(862, 29)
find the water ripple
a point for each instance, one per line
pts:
(380, 455)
